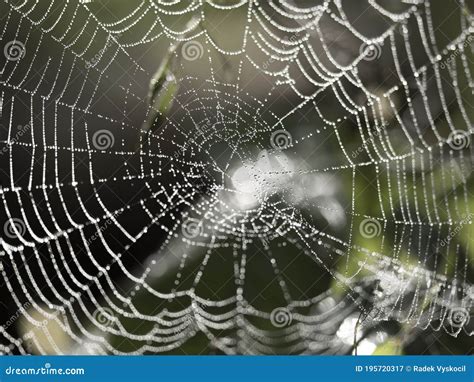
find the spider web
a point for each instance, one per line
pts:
(251, 185)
